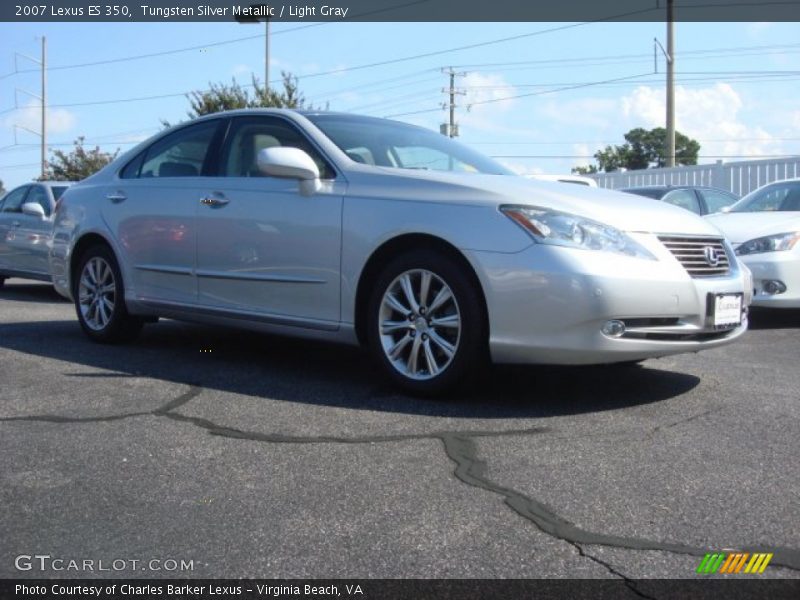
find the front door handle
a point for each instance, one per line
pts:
(215, 199)
(116, 197)
(15, 223)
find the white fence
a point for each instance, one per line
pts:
(738, 177)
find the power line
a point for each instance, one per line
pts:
(207, 45)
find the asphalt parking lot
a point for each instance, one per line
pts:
(257, 456)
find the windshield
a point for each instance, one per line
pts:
(385, 143)
(784, 196)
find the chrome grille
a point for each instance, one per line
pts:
(693, 253)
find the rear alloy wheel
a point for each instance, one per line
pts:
(426, 323)
(100, 298)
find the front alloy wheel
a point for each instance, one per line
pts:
(426, 323)
(420, 324)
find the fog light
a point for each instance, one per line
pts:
(613, 328)
(774, 286)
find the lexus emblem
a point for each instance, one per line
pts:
(711, 256)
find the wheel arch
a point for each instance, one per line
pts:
(86, 241)
(395, 246)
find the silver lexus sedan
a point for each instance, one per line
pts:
(362, 230)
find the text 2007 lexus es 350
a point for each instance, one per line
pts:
(364, 230)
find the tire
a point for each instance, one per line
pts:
(100, 298)
(431, 345)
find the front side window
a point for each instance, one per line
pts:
(13, 201)
(38, 194)
(249, 135)
(781, 197)
(181, 154)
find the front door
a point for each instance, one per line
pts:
(262, 246)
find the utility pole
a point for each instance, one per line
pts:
(43, 99)
(252, 19)
(451, 129)
(44, 106)
(670, 158)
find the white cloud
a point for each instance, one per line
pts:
(242, 70)
(486, 98)
(521, 169)
(710, 114)
(756, 30)
(59, 120)
(486, 92)
(599, 113)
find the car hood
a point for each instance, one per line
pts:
(622, 211)
(744, 226)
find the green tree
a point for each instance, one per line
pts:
(221, 96)
(584, 169)
(2, 188)
(77, 164)
(645, 149)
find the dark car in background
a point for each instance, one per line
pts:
(700, 200)
(26, 227)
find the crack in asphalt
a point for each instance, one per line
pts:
(470, 470)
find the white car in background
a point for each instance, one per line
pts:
(26, 228)
(764, 228)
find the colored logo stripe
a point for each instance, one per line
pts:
(733, 562)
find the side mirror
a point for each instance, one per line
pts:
(725, 209)
(33, 209)
(290, 163)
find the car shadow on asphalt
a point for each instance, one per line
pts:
(267, 366)
(774, 318)
(24, 291)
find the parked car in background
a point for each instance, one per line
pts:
(764, 228)
(356, 229)
(698, 199)
(576, 179)
(26, 227)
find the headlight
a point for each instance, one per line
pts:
(769, 243)
(562, 229)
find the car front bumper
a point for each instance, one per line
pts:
(783, 267)
(548, 305)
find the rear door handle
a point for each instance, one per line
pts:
(214, 199)
(15, 223)
(116, 197)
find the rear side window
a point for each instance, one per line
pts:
(685, 199)
(716, 201)
(13, 201)
(58, 191)
(181, 154)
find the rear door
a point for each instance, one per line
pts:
(151, 209)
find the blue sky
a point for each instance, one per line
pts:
(737, 82)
